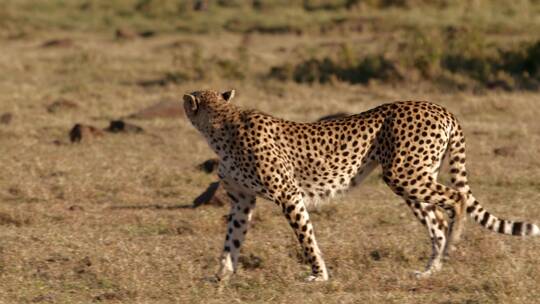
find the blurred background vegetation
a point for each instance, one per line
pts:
(461, 44)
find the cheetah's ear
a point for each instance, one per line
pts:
(192, 101)
(228, 95)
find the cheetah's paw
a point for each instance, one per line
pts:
(421, 274)
(317, 278)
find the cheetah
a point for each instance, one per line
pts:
(293, 164)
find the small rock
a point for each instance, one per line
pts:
(480, 132)
(120, 126)
(15, 191)
(83, 133)
(107, 296)
(209, 165)
(213, 195)
(375, 255)
(507, 151)
(61, 105)
(147, 34)
(58, 43)
(6, 118)
(162, 109)
(183, 43)
(75, 208)
(153, 82)
(123, 33)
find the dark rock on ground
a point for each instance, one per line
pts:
(128, 34)
(75, 208)
(124, 33)
(6, 118)
(120, 126)
(153, 82)
(108, 296)
(147, 34)
(61, 105)
(58, 43)
(83, 133)
(506, 151)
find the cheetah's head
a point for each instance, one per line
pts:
(204, 108)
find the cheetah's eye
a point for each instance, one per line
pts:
(191, 102)
(228, 95)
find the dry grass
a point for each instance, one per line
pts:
(78, 222)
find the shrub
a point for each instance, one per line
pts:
(524, 62)
(422, 52)
(326, 70)
(371, 67)
(457, 59)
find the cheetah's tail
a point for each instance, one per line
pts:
(458, 174)
(491, 222)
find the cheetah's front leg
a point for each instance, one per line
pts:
(295, 211)
(238, 221)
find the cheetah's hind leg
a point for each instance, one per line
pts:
(436, 224)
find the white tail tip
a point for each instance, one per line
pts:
(535, 230)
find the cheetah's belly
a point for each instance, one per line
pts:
(325, 180)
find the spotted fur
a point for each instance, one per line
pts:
(293, 164)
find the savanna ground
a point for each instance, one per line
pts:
(79, 222)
